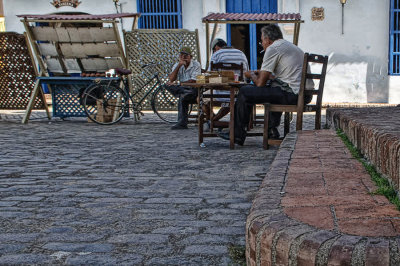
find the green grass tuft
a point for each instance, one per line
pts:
(237, 254)
(384, 186)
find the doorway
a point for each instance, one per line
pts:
(246, 37)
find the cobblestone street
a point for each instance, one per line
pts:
(73, 192)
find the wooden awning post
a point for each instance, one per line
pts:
(207, 44)
(296, 33)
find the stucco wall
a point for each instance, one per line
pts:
(358, 59)
(193, 11)
(357, 70)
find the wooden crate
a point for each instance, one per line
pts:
(106, 115)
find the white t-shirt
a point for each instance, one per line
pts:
(191, 72)
(285, 61)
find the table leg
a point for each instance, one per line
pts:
(201, 116)
(232, 119)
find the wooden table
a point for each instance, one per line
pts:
(229, 87)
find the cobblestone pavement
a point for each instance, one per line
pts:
(73, 192)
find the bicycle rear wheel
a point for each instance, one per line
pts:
(165, 105)
(104, 105)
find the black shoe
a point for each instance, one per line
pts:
(273, 133)
(179, 126)
(225, 136)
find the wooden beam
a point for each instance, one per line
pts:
(214, 32)
(68, 21)
(31, 102)
(135, 22)
(198, 45)
(33, 44)
(207, 44)
(120, 47)
(296, 33)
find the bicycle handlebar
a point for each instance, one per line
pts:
(147, 65)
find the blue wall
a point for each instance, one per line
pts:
(250, 6)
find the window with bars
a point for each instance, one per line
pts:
(394, 49)
(160, 14)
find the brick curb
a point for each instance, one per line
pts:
(273, 238)
(375, 132)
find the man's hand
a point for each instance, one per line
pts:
(184, 60)
(248, 74)
(258, 77)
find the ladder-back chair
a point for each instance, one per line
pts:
(213, 101)
(301, 107)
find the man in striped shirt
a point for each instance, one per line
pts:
(186, 70)
(227, 54)
(222, 53)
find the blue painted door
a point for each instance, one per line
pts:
(246, 36)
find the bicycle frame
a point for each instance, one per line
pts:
(131, 96)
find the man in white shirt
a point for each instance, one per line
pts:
(282, 65)
(186, 70)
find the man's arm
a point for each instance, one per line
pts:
(174, 74)
(195, 72)
(259, 77)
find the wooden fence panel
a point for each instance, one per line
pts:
(17, 73)
(161, 46)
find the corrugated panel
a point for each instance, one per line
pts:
(250, 16)
(79, 17)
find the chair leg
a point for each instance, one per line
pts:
(252, 120)
(299, 122)
(286, 127)
(318, 119)
(266, 120)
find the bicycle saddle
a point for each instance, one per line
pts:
(122, 71)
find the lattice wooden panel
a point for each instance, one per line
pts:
(145, 46)
(17, 75)
(66, 100)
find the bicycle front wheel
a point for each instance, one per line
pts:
(104, 105)
(165, 105)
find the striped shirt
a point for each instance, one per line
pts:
(191, 72)
(230, 55)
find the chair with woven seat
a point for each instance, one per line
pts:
(301, 107)
(214, 102)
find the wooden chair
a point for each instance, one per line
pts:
(301, 107)
(213, 102)
(228, 66)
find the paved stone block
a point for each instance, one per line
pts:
(205, 250)
(24, 259)
(79, 247)
(139, 238)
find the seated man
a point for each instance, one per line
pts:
(222, 53)
(285, 61)
(185, 70)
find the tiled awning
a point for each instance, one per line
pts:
(251, 17)
(80, 16)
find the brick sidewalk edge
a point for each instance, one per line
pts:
(273, 238)
(380, 144)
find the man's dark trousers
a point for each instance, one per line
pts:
(250, 95)
(187, 95)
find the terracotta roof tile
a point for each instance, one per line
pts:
(250, 16)
(79, 17)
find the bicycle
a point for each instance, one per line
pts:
(106, 103)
